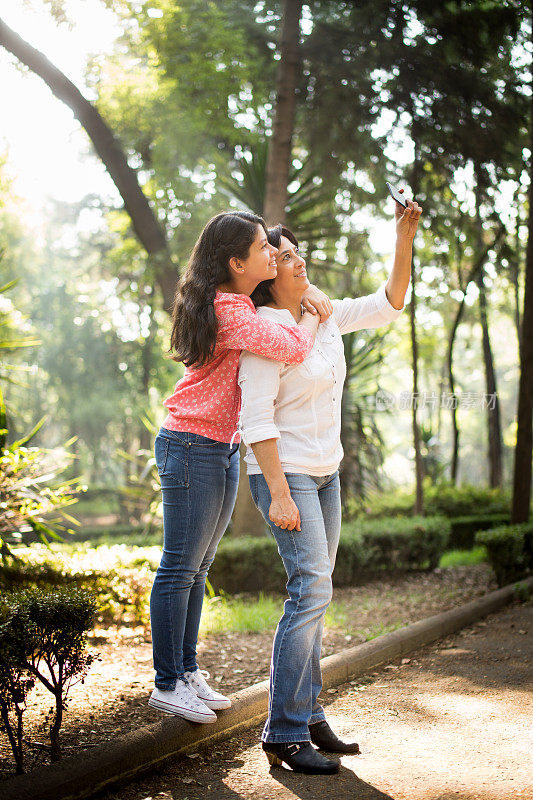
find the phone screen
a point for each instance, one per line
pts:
(396, 195)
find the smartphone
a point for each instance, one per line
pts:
(396, 194)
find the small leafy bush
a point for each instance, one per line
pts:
(45, 635)
(15, 685)
(120, 577)
(510, 550)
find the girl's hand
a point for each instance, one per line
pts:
(284, 513)
(407, 219)
(315, 301)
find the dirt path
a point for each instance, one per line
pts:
(454, 722)
(113, 699)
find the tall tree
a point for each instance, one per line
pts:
(280, 147)
(110, 151)
(524, 433)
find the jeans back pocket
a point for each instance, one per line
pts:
(172, 461)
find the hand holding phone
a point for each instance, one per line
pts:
(396, 195)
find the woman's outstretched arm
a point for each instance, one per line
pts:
(406, 226)
(387, 303)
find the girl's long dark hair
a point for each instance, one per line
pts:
(262, 294)
(194, 321)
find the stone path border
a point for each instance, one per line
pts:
(88, 773)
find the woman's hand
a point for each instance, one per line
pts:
(314, 300)
(284, 513)
(407, 219)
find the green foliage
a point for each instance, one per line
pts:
(457, 501)
(464, 529)
(43, 636)
(463, 558)
(443, 499)
(222, 613)
(119, 576)
(31, 499)
(522, 592)
(15, 685)
(366, 549)
(510, 550)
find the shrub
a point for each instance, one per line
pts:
(510, 550)
(120, 577)
(396, 544)
(442, 498)
(457, 501)
(464, 529)
(45, 634)
(15, 685)
(366, 549)
(247, 564)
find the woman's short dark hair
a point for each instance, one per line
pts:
(194, 321)
(262, 294)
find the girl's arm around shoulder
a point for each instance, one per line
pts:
(240, 328)
(370, 311)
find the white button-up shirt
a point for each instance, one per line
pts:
(300, 405)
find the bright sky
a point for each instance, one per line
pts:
(47, 150)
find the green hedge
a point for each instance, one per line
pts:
(463, 529)
(121, 592)
(443, 499)
(510, 550)
(366, 550)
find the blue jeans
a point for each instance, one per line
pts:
(199, 479)
(309, 557)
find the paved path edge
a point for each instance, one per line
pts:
(85, 775)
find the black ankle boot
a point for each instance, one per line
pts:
(325, 739)
(300, 757)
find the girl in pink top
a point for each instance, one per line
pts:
(198, 464)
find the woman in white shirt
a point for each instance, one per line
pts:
(290, 422)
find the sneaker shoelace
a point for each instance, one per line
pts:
(189, 695)
(200, 678)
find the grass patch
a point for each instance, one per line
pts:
(379, 630)
(463, 558)
(234, 614)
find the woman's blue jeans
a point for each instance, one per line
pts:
(309, 558)
(199, 479)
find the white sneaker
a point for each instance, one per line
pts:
(207, 695)
(183, 702)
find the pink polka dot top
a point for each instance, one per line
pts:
(207, 399)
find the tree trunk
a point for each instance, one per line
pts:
(478, 265)
(55, 752)
(279, 151)
(147, 361)
(524, 433)
(15, 739)
(451, 383)
(246, 520)
(110, 151)
(514, 270)
(493, 408)
(419, 467)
